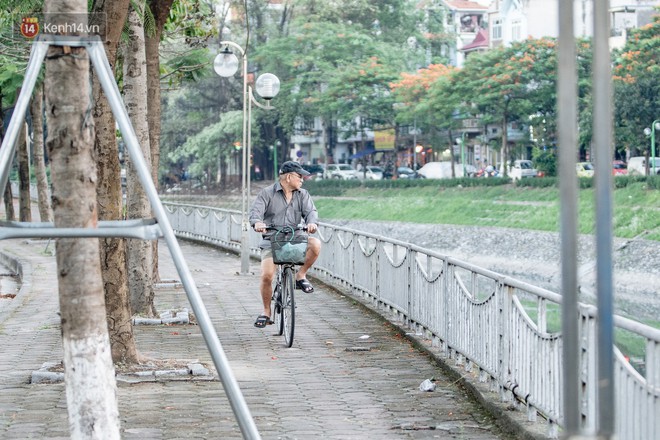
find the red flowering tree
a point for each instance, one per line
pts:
(636, 87)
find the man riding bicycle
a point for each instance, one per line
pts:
(284, 203)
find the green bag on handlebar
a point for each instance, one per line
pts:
(289, 246)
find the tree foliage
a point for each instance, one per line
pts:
(417, 91)
(14, 48)
(515, 81)
(636, 87)
(213, 142)
(310, 60)
(385, 62)
(334, 59)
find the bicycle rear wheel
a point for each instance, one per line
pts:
(277, 307)
(288, 306)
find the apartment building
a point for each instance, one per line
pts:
(515, 20)
(508, 21)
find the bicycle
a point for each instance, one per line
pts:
(288, 251)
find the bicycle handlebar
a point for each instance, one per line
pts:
(292, 228)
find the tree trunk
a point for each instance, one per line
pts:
(160, 10)
(9, 203)
(140, 252)
(24, 208)
(6, 195)
(110, 203)
(88, 371)
(36, 109)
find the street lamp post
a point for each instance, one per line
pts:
(418, 149)
(273, 148)
(463, 151)
(414, 148)
(651, 131)
(462, 141)
(267, 86)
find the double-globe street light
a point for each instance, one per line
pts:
(267, 86)
(651, 131)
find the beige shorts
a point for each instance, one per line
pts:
(266, 253)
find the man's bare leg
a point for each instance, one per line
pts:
(313, 251)
(267, 273)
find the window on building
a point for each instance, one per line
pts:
(470, 22)
(305, 125)
(516, 30)
(496, 29)
(405, 130)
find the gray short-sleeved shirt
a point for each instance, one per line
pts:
(271, 207)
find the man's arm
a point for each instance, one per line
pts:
(309, 212)
(257, 211)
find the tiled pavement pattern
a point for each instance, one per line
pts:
(321, 388)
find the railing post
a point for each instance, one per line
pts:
(653, 363)
(587, 367)
(445, 307)
(504, 339)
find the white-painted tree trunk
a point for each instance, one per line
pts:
(87, 361)
(89, 374)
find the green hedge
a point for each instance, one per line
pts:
(335, 188)
(538, 182)
(652, 182)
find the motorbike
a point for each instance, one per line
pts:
(489, 171)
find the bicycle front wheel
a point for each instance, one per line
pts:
(288, 306)
(277, 307)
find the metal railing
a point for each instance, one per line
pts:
(501, 331)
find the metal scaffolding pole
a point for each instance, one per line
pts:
(602, 138)
(567, 147)
(140, 229)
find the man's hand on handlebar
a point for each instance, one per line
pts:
(311, 228)
(260, 227)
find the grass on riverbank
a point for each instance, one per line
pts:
(636, 209)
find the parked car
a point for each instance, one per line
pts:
(341, 171)
(442, 170)
(315, 171)
(619, 168)
(637, 166)
(372, 173)
(407, 173)
(521, 169)
(584, 169)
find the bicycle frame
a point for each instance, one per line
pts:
(284, 307)
(283, 304)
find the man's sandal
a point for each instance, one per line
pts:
(304, 285)
(262, 321)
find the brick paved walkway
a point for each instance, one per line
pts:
(320, 388)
